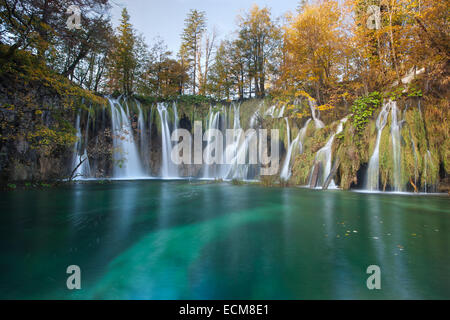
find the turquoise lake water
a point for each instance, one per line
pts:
(182, 240)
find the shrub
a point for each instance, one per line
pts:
(363, 109)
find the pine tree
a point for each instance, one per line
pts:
(128, 58)
(195, 26)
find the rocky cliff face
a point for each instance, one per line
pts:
(37, 113)
(29, 125)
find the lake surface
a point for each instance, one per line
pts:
(181, 240)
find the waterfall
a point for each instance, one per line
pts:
(127, 164)
(427, 160)
(302, 134)
(143, 141)
(270, 111)
(312, 105)
(240, 170)
(285, 173)
(281, 113)
(396, 146)
(175, 116)
(373, 172)
(80, 154)
(288, 131)
(297, 142)
(413, 146)
(86, 133)
(323, 156)
(238, 150)
(168, 168)
(284, 170)
(131, 144)
(255, 117)
(213, 123)
(141, 128)
(149, 146)
(231, 150)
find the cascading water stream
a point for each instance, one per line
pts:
(142, 131)
(127, 164)
(427, 160)
(416, 160)
(168, 168)
(373, 171)
(281, 113)
(132, 151)
(80, 155)
(255, 116)
(312, 105)
(213, 124)
(288, 131)
(302, 135)
(232, 149)
(274, 113)
(175, 116)
(324, 156)
(286, 172)
(238, 150)
(396, 146)
(270, 111)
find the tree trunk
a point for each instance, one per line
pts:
(333, 172)
(315, 174)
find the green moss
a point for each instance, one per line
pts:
(268, 181)
(314, 141)
(237, 182)
(301, 168)
(409, 157)
(430, 171)
(436, 115)
(348, 152)
(386, 160)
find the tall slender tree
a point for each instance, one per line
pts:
(194, 28)
(128, 58)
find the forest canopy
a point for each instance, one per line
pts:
(331, 50)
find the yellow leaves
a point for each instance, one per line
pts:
(290, 107)
(314, 41)
(9, 107)
(302, 93)
(36, 71)
(344, 95)
(282, 100)
(38, 112)
(325, 107)
(45, 137)
(301, 115)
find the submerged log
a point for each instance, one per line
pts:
(315, 174)
(330, 177)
